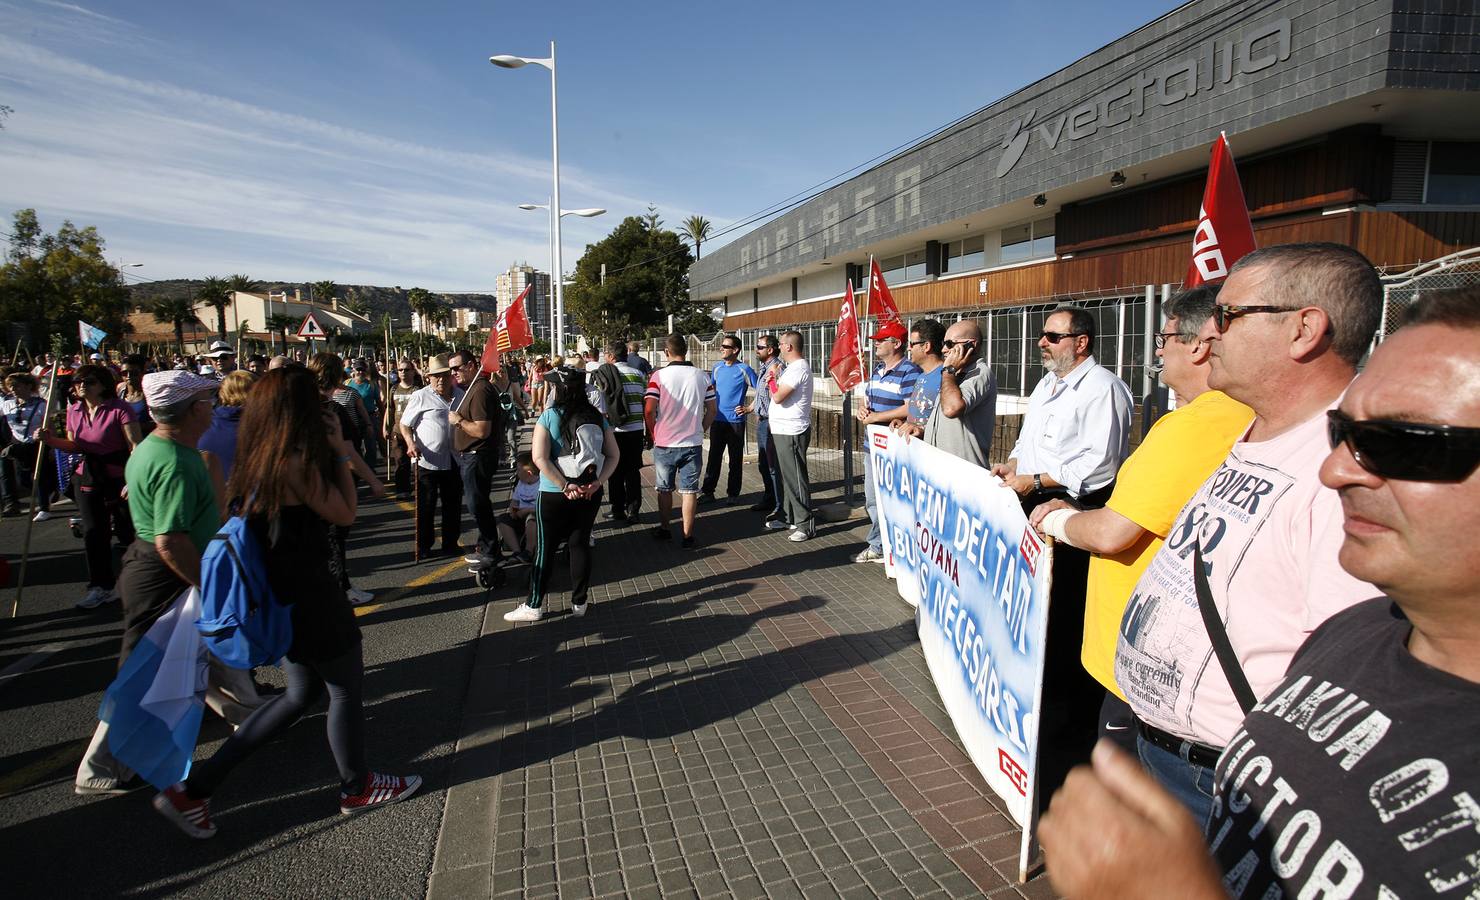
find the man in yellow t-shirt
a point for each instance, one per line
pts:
(1177, 455)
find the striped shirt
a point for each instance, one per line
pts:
(889, 389)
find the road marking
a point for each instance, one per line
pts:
(61, 760)
(28, 662)
(397, 593)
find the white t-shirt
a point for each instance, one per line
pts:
(1270, 533)
(682, 391)
(794, 415)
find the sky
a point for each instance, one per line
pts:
(370, 141)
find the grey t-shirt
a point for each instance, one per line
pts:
(969, 435)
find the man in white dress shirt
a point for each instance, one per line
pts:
(1075, 435)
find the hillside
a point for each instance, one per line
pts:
(370, 299)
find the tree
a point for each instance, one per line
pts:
(242, 283)
(322, 291)
(175, 311)
(646, 281)
(50, 281)
(696, 229)
(215, 293)
(282, 324)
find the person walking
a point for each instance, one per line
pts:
(408, 382)
(219, 441)
(622, 388)
(791, 431)
(732, 379)
(677, 408)
(428, 437)
(575, 450)
(637, 360)
(292, 480)
(366, 383)
(328, 370)
(101, 428)
(24, 413)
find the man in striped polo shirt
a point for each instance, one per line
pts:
(890, 387)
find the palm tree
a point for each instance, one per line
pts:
(175, 311)
(322, 291)
(696, 229)
(242, 283)
(280, 324)
(216, 293)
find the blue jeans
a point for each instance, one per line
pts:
(1189, 782)
(681, 463)
(871, 505)
(765, 461)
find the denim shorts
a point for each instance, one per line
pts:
(683, 461)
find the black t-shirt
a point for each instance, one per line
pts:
(1359, 776)
(481, 405)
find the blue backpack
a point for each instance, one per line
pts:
(241, 621)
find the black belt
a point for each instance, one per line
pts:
(1198, 754)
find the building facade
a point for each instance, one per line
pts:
(512, 281)
(255, 309)
(1355, 121)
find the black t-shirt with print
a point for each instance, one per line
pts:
(1359, 776)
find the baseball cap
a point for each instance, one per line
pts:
(893, 329)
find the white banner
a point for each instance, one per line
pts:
(962, 553)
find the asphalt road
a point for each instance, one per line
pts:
(280, 831)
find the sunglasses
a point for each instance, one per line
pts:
(1406, 451)
(963, 344)
(1161, 337)
(918, 343)
(728, 347)
(1053, 337)
(1224, 313)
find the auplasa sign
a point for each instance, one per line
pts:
(1205, 69)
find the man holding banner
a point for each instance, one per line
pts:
(1075, 435)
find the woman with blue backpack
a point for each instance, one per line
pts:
(292, 482)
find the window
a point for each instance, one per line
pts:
(892, 268)
(1033, 240)
(914, 265)
(1006, 351)
(963, 255)
(1454, 173)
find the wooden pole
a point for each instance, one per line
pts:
(389, 402)
(20, 580)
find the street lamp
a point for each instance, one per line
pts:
(557, 299)
(516, 62)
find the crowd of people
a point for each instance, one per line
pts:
(1261, 669)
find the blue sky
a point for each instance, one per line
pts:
(371, 141)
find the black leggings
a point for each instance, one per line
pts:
(558, 518)
(344, 676)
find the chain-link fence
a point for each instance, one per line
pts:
(1402, 289)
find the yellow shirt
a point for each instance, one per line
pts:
(1178, 454)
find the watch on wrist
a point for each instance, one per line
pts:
(948, 370)
(1038, 484)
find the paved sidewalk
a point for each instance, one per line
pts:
(751, 718)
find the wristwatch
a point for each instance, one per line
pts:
(948, 370)
(1037, 484)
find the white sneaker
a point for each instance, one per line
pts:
(776, 525)
(578, 609)
(524, 613)
(801, 534)
(358, 597)
(41, 515)
(869, 554)
(96, 596)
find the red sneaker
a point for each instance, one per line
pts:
(378, 791)
(190, 815)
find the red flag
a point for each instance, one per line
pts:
(844, 364)
(880, 301)
(489, 364)
(513, 325)
(1224, 233)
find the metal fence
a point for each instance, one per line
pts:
(1400, 290)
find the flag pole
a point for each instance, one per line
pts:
(388, 401)
(862, 365)
(20, 580)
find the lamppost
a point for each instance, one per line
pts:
(557, 277)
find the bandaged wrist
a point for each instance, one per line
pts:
(1056, 524)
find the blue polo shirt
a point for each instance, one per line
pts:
(730, 384)
(889, 390)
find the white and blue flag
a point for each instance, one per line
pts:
(90, 335)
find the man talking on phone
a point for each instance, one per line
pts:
(1075, 435)
(966, 410)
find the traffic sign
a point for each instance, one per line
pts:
(311, 328)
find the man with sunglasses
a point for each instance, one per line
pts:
(732, 379)
(1290, 324)
(1174, 459)
(1074, 437)
(1356, 775)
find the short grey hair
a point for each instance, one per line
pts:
(1331, 277)
(1192, 308)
